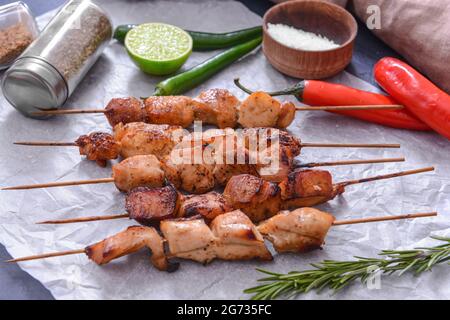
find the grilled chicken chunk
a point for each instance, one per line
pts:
(217, 107)
(138, 171)
(257, 198)
(305, 188)
(208, 205)
(238, 237)
(286, 115)
(301, 230)
(190, 239)
(232, 237)
(172, 110)
(148, 206)
(98, 146)
(131, 240)
(232, 162)
(261, 110)
(124, 110)
(187, 169)
(139, 138)
(268, 136)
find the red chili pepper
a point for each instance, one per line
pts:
(320, 93)
(424, 99)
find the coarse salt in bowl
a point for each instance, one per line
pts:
(309, 39)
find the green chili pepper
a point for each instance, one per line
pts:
(204, 40)
(187, 80)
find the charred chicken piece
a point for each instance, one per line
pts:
(149, 206)
(306, 188)
(124, 110)
(208, 205)
(131, 240)
(99, 147)
(257, 198)
(301, 230)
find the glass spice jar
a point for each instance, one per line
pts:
(18, 29)
(48, 72)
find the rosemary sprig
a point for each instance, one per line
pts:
(336, 275)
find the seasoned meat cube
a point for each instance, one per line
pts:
(301, 230)
(257, 198)
(286, 116)
(124, 110)
(238, 237)
(191, 174)
(217, 107)
(208, 205)
(138, 171)
(98, 146)
(149, 206)
(189, 239)
(131, 240)
(140, 138)
(259, 110)
(172, 110)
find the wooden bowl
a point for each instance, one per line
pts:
(322, 18)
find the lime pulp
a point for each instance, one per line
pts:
(158, 48)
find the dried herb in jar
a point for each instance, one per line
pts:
(13, 41)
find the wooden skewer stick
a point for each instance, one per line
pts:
(336, 223)
(109, 180)
(48, 255)
(70, 111)
(358, 107)
(348, 162)
(46, 143)
(318, 108)
(303, 145)
(388, 218)
(86, 219)
(350, 145)
(386, 176)
(60, 184)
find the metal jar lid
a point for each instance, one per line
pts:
(32, 84)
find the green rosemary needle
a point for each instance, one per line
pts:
(336, 275)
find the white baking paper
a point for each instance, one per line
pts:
(133, 277)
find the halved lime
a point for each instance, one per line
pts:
(158, 48)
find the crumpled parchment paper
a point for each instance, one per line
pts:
(132, 277)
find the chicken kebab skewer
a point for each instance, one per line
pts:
(231, 236)
(257, 198)
(139, 138)
(217, 107)
(201, 168)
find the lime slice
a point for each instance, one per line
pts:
(158, 48)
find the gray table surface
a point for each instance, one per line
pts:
(17, 284)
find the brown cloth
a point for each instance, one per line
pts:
(417, 29)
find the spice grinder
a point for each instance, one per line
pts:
(48, 72)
